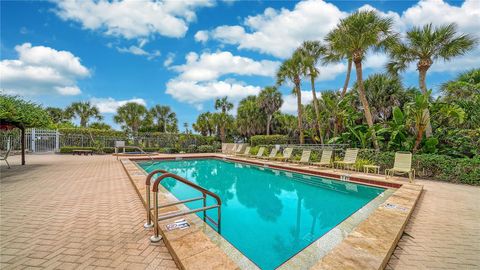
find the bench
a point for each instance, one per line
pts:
(80, 152)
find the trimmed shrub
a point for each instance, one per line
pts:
(69, 150)
(268, 139)
(206, 149)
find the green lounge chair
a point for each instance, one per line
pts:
(402, 165)
(273, 154)
(349, 160)
(259, 153)
(326, 159)
(286, 155)
(305, 159)
(246, 153)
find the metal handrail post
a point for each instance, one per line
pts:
(204, 205)
(149, 223)
(156, 230)
(219, 218)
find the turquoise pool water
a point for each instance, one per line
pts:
(268, 215)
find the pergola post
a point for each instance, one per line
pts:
(23, 145)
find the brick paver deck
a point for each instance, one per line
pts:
(70, 212)
(73, 212)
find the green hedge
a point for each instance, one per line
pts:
(433, 166)
(69, 150)
(268, 139)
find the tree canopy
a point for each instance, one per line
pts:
(22, 113)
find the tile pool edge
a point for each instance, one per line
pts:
(374, 238)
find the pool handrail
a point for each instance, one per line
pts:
(149, 223)
(156, 229)
(133, 147)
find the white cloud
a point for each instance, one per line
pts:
(201, 36)
(279, 32)
(135, 50)
(169, 60)
(42, 70)
(132, 19)
(290, 101)
(110, 105)
(210, 66)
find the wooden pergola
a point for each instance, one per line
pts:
(7, 125)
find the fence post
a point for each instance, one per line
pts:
(32, 138)
(57, 141)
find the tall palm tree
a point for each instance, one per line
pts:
(84, 111)
(417, 117)
(223, 104)
(336, 52)
(363, 31)
(424, 45)
(164, 116)
(204, 124)
(270, 100)
(223, 119)
(130, 116)
(311, 51)
(291, 69)
(250, 117)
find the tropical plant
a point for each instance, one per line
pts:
(360, 32)
(204, 124)
(58, 115)
(100, 125)
(165, 118)
(417, 117)
(270, 100)
(223, 104)
(465, 87)
(223, 120)
(424, 45)
(284, 124)
(311, 52)
(250, 117)
(22, 113)
(84, 111)
(336, 51)
(131, 116)
(291, 69)
(397, 132)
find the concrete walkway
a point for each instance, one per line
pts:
(66, 212)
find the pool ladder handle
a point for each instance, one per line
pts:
(133, 147)
(156, 237)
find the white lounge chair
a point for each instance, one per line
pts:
(402, 165)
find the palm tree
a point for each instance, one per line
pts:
(223, 104)
(336, 52)
(58, 115)
(130, 116)
(250, 117)
(291, 69)
(311, 51)
(164, 116)
(362, 31)
(84, 111)
(417, 117)
(424, 45)
(204, 124)
(270, 100)
(185, 126)
(222, 119)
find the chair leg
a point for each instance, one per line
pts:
(8, 165)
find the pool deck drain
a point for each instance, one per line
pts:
(368, 245)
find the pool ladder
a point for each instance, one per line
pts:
(156, 217)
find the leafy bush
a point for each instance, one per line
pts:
(206, 149)
(69, 150)
(168, 150)
(268, 139)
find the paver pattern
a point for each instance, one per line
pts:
(65, 212)
(73, 212)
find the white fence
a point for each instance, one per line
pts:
(42, 140)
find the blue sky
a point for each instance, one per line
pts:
(184, 54)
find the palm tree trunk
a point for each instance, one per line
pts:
(299, 110)
(222, 134)
(423, 86)
(366, 107)
(269, 120)
(418, 139)
(347, 79)
(165, 126)
(83, 122)
(317, 111)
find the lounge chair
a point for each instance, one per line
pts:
(349, 159)
(305, 159)
(273, 154)
(260, 152)
(402, 165)
(246, 153)
(286, 155)
(326, 159)
(5, 156)
(238, 151)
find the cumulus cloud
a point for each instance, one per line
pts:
(110, 105)
(169, 60)
(201, 36)
(42, 70)
(198, 79)
(132, 19)
(136, 50)
(290, 101)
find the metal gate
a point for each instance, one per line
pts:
(42, 140)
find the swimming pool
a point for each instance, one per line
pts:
(268, 215)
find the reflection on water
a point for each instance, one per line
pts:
(269, 215)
